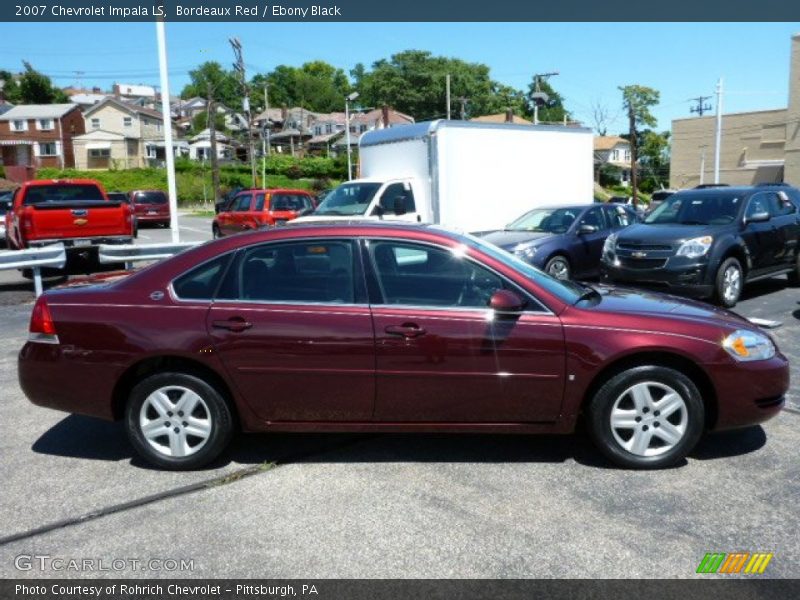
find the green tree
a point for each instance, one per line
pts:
(200, 122)
(637, 100)
(552, 111)
(654, 157)
(414, 82)
(36, 88)
(10, 87)
(316, 86)
(225, 86)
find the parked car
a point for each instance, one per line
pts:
(75, 212)
(251, 209)
(379, 327)
(563, 241)
(150, 207)
(5, 206)
(709, 242)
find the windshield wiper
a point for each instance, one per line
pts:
(692, 223)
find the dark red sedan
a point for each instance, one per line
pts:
(372, 327)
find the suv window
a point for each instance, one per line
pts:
(242, 203)
(201, 282)
(619, 216)
(759, 203)
(319, 271)
(150, 198)
(595, 216)
(293, 202)
(418, 275)
(395, 192)
(260, 202)
(780, 206)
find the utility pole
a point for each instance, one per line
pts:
(347, 100)
(702, 164)
(634, 152)
(702, 106)
(448, 95)
(539, 97)
(238, 66)
(719, 130)
(169, 149)
(211, 111)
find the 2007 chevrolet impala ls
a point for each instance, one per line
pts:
(379, 327)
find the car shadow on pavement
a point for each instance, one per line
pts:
(763, 287)
(88, 438)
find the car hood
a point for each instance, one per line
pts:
(622, 300)
(510, 239)
(642, 233)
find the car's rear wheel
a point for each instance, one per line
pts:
(558, 267)
(215, 231)
(178, 421)
(729, 282)
(647, 417)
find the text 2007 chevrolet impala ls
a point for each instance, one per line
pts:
(370, 327)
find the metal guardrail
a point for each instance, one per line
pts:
(52, 255)
(130, 253)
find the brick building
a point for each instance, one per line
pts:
(39, 135)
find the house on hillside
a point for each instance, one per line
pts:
(379, 118)
(200, 146)
(124, 136)
(39, 135)
(615, 151)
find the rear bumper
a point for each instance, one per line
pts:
(153, 218)
(79, 243)
(750, 393)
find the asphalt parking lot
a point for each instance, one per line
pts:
(392, 505)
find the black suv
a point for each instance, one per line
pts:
(708, 242)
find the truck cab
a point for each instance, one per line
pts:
(392, 200)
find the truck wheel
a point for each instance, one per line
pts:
(647, 417)
(729, 282)
(216, 232)
(558, 267)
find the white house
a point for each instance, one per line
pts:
(200, 146)
(613, 150)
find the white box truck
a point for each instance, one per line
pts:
(465, 175)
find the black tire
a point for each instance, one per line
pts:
(215, 231)
(213, 411)
(558, 264)
(724, 296)
(794, 276)
(616, 392)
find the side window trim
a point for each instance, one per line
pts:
(376, 293)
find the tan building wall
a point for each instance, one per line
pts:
(123, 154)
(112, 119)
(792, 167)
(752, 147)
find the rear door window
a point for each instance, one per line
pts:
(242, 203)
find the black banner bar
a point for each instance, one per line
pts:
(381, 589)
(263, 11)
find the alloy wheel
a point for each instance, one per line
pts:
(558, 268)
(731, 284)
(649, 419)
(175, 421)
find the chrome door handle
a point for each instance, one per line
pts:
(407, 330)
(235, 324)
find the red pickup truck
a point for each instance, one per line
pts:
(76, 212)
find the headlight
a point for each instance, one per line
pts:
(696, 247)
(526, 250)
(744, 345)
(609, 244)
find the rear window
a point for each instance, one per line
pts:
(150, 198)
(289, 202)
(62, 192)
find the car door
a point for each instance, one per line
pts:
(762, 238)
(238, 215)
(294, 332)
(443, 356)
(397, 203)
(787, 224)
(587, 247)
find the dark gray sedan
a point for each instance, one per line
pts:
(565, 241)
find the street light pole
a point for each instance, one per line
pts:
(347, 100)
(718, 141)
(165, 113)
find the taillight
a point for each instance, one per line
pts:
(42, 327)
(27, 218)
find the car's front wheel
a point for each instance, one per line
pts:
(647, 417)
(558, 267)
(178, 421)
(729, 282)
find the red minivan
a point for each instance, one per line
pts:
(251, 209)
(150, 206)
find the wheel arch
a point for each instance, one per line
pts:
(659, 358)
(165, 363)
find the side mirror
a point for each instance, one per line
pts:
(399, 206)
(759, 217)
(586, 229)
(506, 301)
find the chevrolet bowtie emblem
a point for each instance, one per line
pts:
(80, 222)
(639, 254)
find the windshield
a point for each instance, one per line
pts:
(150, 198)
(697, 209)
(547, 220)
(348, 199)
(567, 291)
(61, 192)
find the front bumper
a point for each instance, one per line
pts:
(677, 275)
(750, 393)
